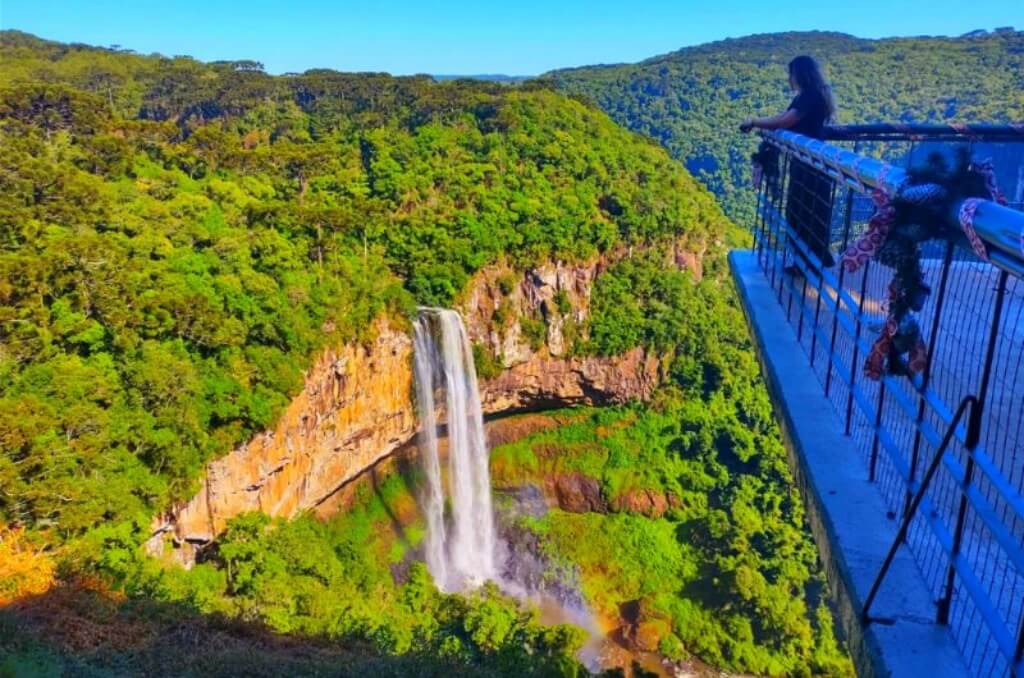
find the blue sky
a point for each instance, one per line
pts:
(516, 37)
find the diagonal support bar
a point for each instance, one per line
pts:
(973, 430)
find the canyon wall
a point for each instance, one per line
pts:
(356, 406)
(354, 409)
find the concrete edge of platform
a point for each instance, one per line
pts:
(846, 513)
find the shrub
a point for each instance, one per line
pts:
(534, 331)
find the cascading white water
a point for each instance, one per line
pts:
(464, 555)
(464, 552)
(424, 358)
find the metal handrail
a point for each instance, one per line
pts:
(926, 132)
(846, 316)
(1000, 228)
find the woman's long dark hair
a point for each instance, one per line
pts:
(807, 75)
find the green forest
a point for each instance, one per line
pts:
(727, 571)
(179, 240)
(693, 100)
(166, 276)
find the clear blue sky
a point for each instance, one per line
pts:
(520, 37)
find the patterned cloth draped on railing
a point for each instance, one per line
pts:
(897, 323)
(886, 343)
(970, 206)
(857, 254)
(900, 334)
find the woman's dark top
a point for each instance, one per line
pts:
(813, 111)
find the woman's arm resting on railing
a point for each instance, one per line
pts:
(781, 121)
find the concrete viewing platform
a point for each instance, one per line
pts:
(850, 521)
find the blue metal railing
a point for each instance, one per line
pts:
(964, 519)
(925, 132)
(1000, 227)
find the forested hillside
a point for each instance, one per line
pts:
(693, 100)
(178, 240)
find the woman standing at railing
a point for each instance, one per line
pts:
(809, 198)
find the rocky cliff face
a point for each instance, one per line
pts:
(357, 405)
(556, 294)
(354, 409)
(538, 368)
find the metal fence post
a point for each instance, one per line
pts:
(771, 222)
(821, 284)
(1018, 655)
(847, 222)
(856, 346)
(873, 463)
(817, 316)
(803, 305)
(908, 517)
(973, 435)
(942, 614)
(759, 217)
(776, 215)
(947, 262)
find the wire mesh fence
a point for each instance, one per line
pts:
(967, 535)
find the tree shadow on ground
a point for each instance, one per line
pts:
(79, 630)
(375, 480)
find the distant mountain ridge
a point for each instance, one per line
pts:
(489, 77)
(692, 100)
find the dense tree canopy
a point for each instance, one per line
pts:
(326, 592)
(694, 100)
(179, 238)
(728, 572)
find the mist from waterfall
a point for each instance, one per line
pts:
(461, 554)
(462, 549)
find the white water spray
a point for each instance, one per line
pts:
(464, 551)
(464, 555)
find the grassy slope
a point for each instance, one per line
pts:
(729, 574)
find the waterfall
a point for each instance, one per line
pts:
(462, 551)
(463, 554)
(424, 359)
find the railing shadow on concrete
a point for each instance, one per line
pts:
(964, 519)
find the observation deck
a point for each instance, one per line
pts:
(909, 451)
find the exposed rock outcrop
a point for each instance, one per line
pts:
(501, 431)
(357, 405)
(650, 503)
(557, 293)
(579, 494)
(642, 629)
(547, 382)
(544, 373)
(354, 409)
